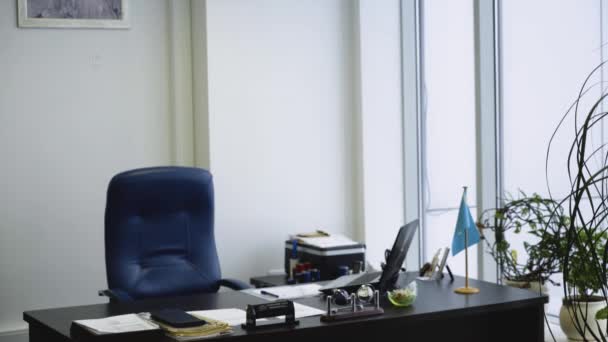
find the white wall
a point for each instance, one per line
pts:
(285, 95)
(280, 109)
(76, 106)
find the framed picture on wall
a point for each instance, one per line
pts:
(74, 13)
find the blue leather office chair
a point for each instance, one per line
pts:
(159, 235)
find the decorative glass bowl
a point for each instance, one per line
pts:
(405, 296)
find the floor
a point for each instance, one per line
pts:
(557, 332)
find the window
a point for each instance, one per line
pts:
(548, 48)
(448, 115)
(542, 52)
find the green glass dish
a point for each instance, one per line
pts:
(403, 297)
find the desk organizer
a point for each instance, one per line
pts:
(356, 310)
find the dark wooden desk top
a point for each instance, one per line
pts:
(435, 299)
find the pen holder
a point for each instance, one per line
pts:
(356, 309)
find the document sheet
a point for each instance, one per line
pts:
(286, 292)
(117, 324)
(329, 241)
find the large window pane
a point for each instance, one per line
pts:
(449, 84)
(547, 49)
(449, 113)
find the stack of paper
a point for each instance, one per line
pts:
(117, 324)
(212, 328)
(334, 240)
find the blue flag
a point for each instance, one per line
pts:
(464, 223)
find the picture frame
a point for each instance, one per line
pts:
(54, 17)
(438, 274)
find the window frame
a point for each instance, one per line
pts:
(487, 117)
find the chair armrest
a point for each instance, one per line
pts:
(115, 295)
(234, 284)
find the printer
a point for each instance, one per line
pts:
(332, 255)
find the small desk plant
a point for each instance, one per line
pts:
(541, 220)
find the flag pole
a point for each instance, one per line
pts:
(466, 289)
(466, 258)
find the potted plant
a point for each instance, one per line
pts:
(542, 220)
(581, 312)
(584, 253)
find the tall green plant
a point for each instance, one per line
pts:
(585, 250)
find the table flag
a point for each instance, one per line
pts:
(464, 223)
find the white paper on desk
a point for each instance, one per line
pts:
(117, 324)
(302, 311)
(287, 292)
(306, 311)
(236, 317)
(329, 241)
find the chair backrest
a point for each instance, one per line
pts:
(159, 235)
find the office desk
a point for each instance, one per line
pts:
(496, 314)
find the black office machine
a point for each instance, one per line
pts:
(331, 261)
(269, 310)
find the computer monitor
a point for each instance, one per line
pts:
(383, 280)
(396, 256)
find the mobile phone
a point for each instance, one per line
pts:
(176, 318)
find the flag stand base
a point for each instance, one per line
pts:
(467, 290)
